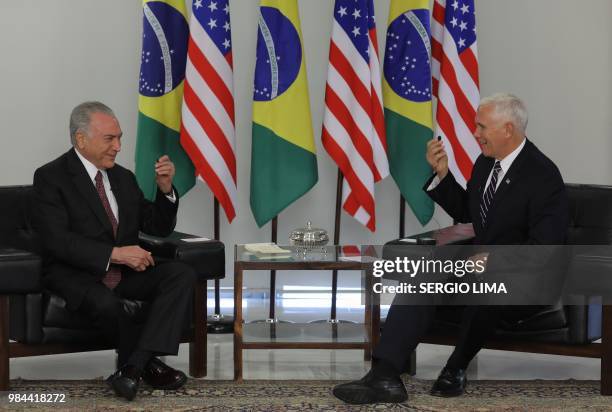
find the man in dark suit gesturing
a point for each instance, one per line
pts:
(515, 196)
(89, 211)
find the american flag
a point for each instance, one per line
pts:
(353, 126)
(455, 82)
(207, 125)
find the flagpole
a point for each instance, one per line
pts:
(271, 320)
(218, 323)
(336, 242)
(402, 217)
(337, 219)
(271, 317)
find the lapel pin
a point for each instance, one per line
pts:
(507, 181)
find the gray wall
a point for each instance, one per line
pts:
(57, 53)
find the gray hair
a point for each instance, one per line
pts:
(509, 107)
(81, 116)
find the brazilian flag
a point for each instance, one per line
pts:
(283, 156)
(165, 36)
(407, 95)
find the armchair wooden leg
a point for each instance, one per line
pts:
(606, 350)
(198, 348)
(4, 343)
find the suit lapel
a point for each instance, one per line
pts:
(483, 175)
(85, 186)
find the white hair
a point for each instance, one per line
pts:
(81, 116)
(509, 107)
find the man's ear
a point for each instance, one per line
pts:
(80, 137)
(509, 128)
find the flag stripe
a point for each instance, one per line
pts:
(222, 90)
(350, 172)
(333, 127)
(455, 82)
(353, 119)
(353, 127)
(211, 129)
(208, 122)
(445, 122)
(226, 200)
(207, 96)
(463, 131)
(466, 80)
(206, 149)
(205, 44)
(469, 60)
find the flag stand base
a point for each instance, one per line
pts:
(217, 324)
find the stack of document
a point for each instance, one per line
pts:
(267, 250)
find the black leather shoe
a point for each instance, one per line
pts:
(372, 389)
(125, 381)
(161, 376)
(450, 383)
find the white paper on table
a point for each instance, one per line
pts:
(266, 248)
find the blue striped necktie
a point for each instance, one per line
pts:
(487, 198)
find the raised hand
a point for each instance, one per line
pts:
(437, 158)
(164, 173)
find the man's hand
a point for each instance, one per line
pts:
(164, 173)
(133, 256)
(437, 158)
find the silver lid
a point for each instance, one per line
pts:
(308, 236)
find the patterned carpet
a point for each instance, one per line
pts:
(297, 396)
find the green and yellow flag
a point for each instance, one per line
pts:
(407, 95)
(165, 36)
(283, 157)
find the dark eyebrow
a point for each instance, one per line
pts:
(114, 135)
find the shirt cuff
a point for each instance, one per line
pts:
(434, 183)
(171, 197)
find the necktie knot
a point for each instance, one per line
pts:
(98, 178)
(496, 167)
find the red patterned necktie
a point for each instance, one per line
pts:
(113, 275)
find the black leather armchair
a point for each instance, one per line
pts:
(35, 322)
(570, 330)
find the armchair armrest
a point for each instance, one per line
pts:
(460, 234)
(206, 257)
(20, 272)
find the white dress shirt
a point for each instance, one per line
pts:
(505, 164)
(92, 171)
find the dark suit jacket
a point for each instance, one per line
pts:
(75, 231)
(530, 205)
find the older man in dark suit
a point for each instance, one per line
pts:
(515, 196)
(88, 213)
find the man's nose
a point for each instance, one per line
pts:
(117, 145)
